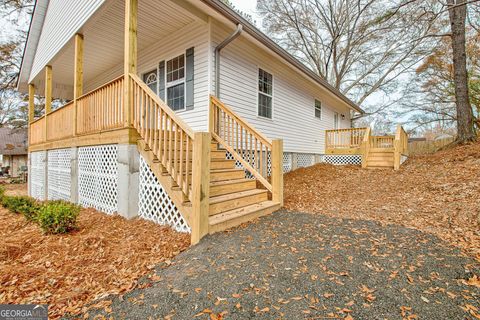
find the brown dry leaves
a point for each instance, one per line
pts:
(438, 193)
(108, 254)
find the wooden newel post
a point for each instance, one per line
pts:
(78, 78)
(277, 171)
(31, 109)
(48, 96)
(130, 57)
(396, 148)
(200, 185)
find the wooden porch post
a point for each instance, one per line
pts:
(277, 171)
(78, 78)
(48, 96)
(130, 56)
(200, 185)
(31, 109)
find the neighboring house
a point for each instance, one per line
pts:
(13, 150)
(191, 66)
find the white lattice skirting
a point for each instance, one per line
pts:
(59, 174)
(343, 159)
(154, 202)
(250, 158)
(37, 175)
(403, 158)
(98, 178)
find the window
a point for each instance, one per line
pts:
(175, 83)
(151, 79)
(265, 94)
(318, 109)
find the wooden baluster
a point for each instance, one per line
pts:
(181, 149)
(186, 187)
(261, 159)
(175, 153)
(170, 134)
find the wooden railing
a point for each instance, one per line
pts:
(99, 110)
(102, 108)
(168, 137)
(400, 146)
(60, 122)
(365, 147)
(344, 138)
(242, 141)
(382, 142)
(37, 131)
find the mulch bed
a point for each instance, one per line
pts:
(438, 193)
(107, 255)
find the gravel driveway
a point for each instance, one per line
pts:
(301, 266)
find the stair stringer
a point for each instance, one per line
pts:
(166, 181)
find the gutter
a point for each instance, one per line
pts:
(233, 16)
(218, 49)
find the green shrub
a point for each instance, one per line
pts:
(58, 217)
(2, 192)
(24, 205)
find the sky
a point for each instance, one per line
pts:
(248, 6)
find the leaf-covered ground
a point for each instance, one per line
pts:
(438, 193)
(108, 254)
(302, 266)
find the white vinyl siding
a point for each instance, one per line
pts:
(294, 95)
(63, 19)
(194, 35)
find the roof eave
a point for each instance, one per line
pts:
(236, 18)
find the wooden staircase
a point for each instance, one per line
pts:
(208, 189)
(233, 198)
(380, 158)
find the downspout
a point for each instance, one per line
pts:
(219, 48)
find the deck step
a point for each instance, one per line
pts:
(236, 200)
(226, 174)
(219, 154)
(232, 218)
(231, 186)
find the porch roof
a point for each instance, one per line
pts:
(220, 8)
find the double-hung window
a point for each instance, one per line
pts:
(318, 109)
(265, 94)
(175, 83)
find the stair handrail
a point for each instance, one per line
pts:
(400, 146)
(167, 135)
(366, 147)
(234, 142)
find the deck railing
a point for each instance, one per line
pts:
(167, 136)
(60, 122)
(257, 154)
(344, 138)
(382, 142)
(37, 131)
(243, 142)
(400, 146)
(102, 108)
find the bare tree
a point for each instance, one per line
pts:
(359, 46)
(457, 10)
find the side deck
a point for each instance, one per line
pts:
(376, 151)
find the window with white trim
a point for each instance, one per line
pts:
(318, 109)
(265, 94)
(175, 83)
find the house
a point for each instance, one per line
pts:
(13, 150)
(176, 108)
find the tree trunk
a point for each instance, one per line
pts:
(465, 124)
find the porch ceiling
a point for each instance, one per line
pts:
(104, 37)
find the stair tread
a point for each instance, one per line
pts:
(227, 182)
(240, 212)
(236, 195)
(225, 170)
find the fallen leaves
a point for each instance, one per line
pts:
(106, 256)
(435, 193)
